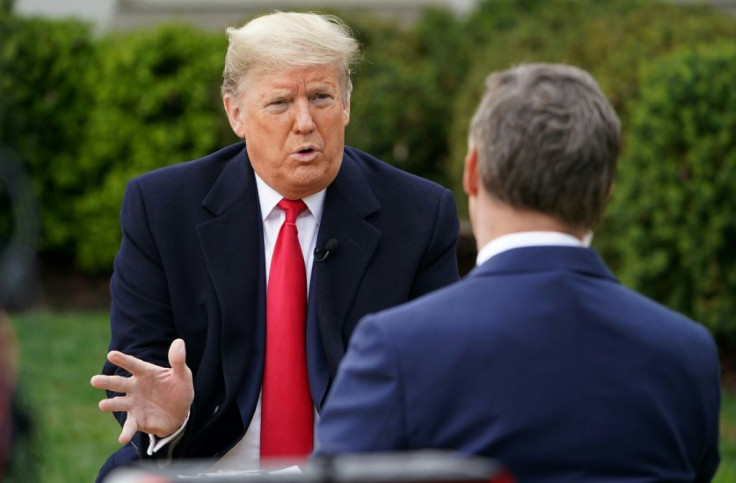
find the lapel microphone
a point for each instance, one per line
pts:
(321, 254)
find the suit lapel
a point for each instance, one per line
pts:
(232, 242)
(348, 201)
(232, 247)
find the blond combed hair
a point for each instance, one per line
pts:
(284, 40)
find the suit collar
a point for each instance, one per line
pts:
(544, 258)
(527, 239)
(237, 178)
(234, 181)
(351, 187)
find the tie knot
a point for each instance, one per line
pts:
(292, 208)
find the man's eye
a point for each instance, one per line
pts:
(278, 106)
(322, 98)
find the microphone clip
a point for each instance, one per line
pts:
(321, 254)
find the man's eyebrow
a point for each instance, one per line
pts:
(320, 86)
(275, 94)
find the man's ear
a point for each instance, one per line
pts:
(346, 113)
(234, 115)
(471, 178)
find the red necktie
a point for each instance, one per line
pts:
(287, 412)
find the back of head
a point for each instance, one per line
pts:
(284, 40)
(547, 141)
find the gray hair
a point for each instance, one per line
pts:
(283, 40)
(547, 140)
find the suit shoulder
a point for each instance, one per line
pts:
(380, 173)
(187, 174)
(428, 314)
(679, 324)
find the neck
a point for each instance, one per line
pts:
(494, 219)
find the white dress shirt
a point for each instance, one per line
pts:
(248, 449)
(530, 239)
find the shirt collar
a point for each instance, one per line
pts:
(269, 198)
(530, 239)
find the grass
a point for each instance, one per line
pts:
(59, 354)
(727, 470)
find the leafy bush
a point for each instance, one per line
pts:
(155, 102)
(86, 115)
(44, 103)
(673, 209)
(610, 39)
(6, 6)
(404, 88)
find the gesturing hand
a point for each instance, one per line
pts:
(157, 399)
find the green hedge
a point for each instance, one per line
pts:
(402, 101)
(44, 104)
(155, 102)
(87, 114)
(6, 6)
(610, 39)
(673, 209)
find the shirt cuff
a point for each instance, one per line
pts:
(155, 444)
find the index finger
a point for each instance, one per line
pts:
(129, 363)
(111, 383)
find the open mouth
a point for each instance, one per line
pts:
(306, 154)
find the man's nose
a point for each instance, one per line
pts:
(303, 122)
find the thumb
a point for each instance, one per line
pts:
(178, 356)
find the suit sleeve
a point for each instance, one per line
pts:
(364, 411)
(439, 264)
(140, 316)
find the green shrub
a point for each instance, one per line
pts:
(402, 100)
(673, 209)
(156, 101)
(44, 104)
(6, 6)
(87, 115)
(610, 39)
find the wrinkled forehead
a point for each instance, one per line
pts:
(283, 76)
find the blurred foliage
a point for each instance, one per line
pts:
(44, 102)
(155, 101)
(87, 114)
(404, 90)
(673, 208)
(6, 6)
(610, 39)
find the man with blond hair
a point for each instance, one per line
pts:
(241, 275)
(539, 358)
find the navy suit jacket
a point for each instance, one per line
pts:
(539, 359)
(191, 265)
